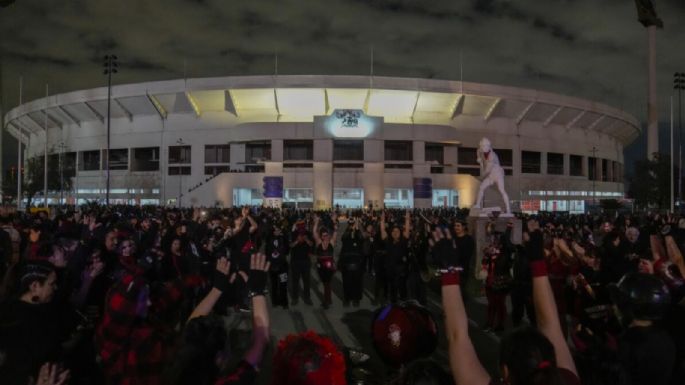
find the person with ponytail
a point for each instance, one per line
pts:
(527, 356)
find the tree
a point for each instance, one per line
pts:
(33, 183)
(650, 184)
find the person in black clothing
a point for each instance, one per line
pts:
(325, 261)
(243, 245)
(300, 263)
(32, 326)
(416, 263)
(521, 287)
(645, 350)
(351, 263)
(374, 248)
(466, 247)
(276, 250)
(397, 248)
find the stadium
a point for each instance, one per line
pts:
(318, 141)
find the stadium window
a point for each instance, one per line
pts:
(398, 150)
(592, 168)
(348, 165)
(505, 160)
(179, 154)
(215, 170)
(605, 170)
(348, 150)
(530, 162)
(467, 156)
(435, 153)
(576, 165)
(555, 163)
(118, 159)
(298, 150)
(89, 160)
(617, 172)
(218, 153)
(505, 157)
(145, 159)
(257, 151)
(179, 170)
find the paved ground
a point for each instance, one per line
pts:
(351, 326)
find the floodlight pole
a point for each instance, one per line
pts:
(111, 66)
(679, 85)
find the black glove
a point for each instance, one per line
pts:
(256, 282)
(667, 230)
(221, 281)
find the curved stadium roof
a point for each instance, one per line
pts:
(299, 98)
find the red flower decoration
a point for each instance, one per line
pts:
(308, 359)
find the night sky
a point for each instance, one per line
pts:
(593, 49)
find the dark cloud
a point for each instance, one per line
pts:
(585, 48)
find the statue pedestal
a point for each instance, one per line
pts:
(478, 222)
(487, 212)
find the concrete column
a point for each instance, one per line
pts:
(374, 150)
(277, 150)
(543, 163)
(323, 185)
(450, 156)
(238, 156)
(419, 152)
(567, 164)
(323, 150)
(372, 182)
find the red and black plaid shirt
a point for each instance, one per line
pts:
(132, 351)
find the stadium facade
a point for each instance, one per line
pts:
(317, 141)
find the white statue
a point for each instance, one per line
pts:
(491, 173)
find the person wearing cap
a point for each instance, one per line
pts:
(527, 356)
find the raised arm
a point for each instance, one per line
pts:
(317, 239)
(248, 217)
(466, 368)
(406, 232)
(256, 282)
(334, 236)
(384, 234)
(221, 284)
(543, 299)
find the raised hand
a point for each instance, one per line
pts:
(95, 268)
(51, 374)
(221, 280)
(256, 277)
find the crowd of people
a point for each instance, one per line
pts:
(137, 295)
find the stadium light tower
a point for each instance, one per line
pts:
(646, 13)
(679, 85)
(180, 142)
(111, 66)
